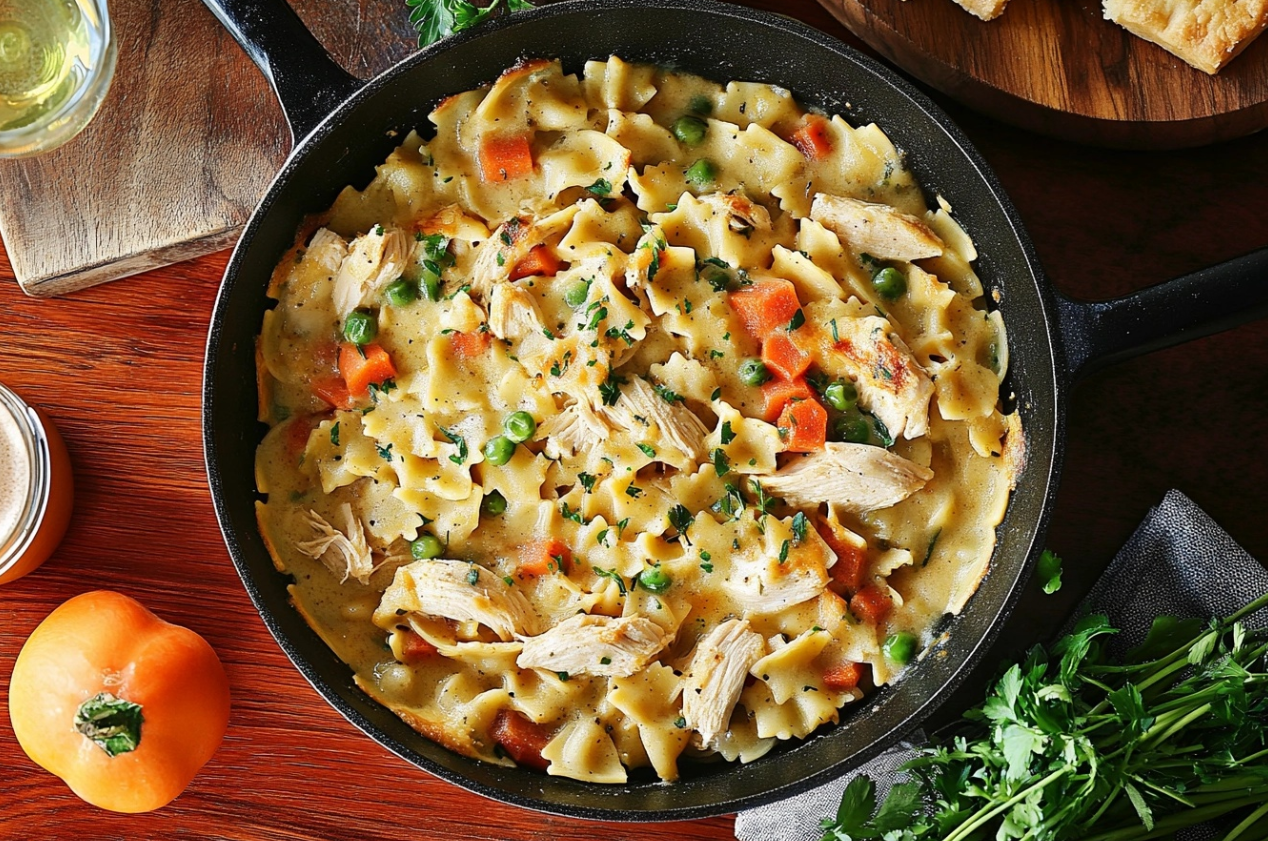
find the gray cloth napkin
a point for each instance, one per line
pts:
(1179, 562)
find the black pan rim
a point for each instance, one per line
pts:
(929, 112)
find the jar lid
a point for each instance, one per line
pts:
(25, 469)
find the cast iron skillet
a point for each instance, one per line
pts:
(344, 128)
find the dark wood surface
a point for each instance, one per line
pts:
(119, 367)
(1058, 67)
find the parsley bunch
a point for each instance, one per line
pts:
(434, 19)
(1069, 745)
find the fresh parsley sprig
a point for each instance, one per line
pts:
(434, 19)
(1069, 745)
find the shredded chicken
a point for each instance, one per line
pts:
(343, 552)
(327, 249)
(741, 214)
(375, 259)
(876, 229)
(855, 477)
(891, 384)
(513, 313)
(460, 591)
(576, 429)
(716, 677)
(497, 255)
(595, 645)
(645, 413)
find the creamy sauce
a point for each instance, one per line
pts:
(15, 475)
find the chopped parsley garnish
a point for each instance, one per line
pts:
(717, 393)
(798, 319)
(621, 333)
(680, 518)
(601, 537)
(620, 527)
(570, 513)
(783, 551)
(597, 312)
(633, 491)
(610, 389)
(726, 436)
(602, 187)
(731, 504)
(563, 676)
(334, 435)
(385, 453)
(461, 457)
(648, 450)
(605, 661)
(680, 722)
(836, 337)
(473, 577)
(706, 566)
(721, 464)
(612, 574)
(587, 481)
(799, 523)
(666, 394)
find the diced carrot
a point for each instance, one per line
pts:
(505, 158)
(850, 570)
(540, 260)
(542, 557)
(871, 604)
(803, 426)
(469, 345)
(334, 391)
(777, 392)
(414, 648)
(522, 738)
(361, 366)
(843, 678)
(812, 139)
(783, 357)
(765, 306)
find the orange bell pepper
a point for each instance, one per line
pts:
(540, 260)
(843, 678)
(121, 705)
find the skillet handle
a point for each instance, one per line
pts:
(1208, 301)
(307, 81)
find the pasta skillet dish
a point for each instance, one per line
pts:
(631, 419)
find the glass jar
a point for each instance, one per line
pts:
(36, 487)
(57, 58)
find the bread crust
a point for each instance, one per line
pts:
(1207, 34)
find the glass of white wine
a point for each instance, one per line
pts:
(57, 58)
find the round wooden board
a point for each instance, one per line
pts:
(1059, 68)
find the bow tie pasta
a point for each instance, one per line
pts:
(631, 419)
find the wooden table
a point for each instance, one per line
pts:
(119, 369)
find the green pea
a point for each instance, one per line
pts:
(702, 173)
(427, 547)
(852, 428)
(401, 293)
(901, 647)
(701, 104)
(430, 281)
(519, 427)
(576, 293)
(655, 580)
(494, 505)
(753, 372)
(841, 395)
(498, 451)
(360, 327)
(890, 282)
(690, 130)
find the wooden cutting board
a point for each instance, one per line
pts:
(1058, 68)
(182, 149)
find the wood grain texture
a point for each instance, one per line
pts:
(1057, 67)
(119, 369)
(182, 149)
